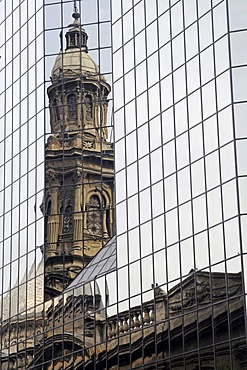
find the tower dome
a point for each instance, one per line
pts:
(78, 95)
(75, 60)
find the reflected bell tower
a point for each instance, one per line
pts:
(79, 164)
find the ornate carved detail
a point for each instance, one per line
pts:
(53, 143)
(72, 104)
(94, 216)
(89, 107)
(201, 292)
(78, 89)
(67, 71)
(88, 144)
(67, 220)
(52, 179)
(109, 146)
(74, 72)
(67, 143)
(57, 127)
(191, 295)
(223, 293)
(65, 197)
(78, 176)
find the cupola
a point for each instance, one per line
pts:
(76, 37)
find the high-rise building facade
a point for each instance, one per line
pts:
(22, 122)
(179, 101)
(168, 291)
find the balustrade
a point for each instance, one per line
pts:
(128, 321)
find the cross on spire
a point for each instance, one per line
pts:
(75, 7)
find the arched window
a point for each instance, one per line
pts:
(72, 106)
(89, 107)
(94, 216)
(72, 40)
(56, 110)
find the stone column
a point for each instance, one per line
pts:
(105, 231)
(53, 218)
(63, 111)
(96, 111)
(79, 106)
(104, 132)
(78, 221)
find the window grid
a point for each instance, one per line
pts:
(125, 247)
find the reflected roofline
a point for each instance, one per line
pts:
(91, 270)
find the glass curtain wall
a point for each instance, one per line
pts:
(56, 181)
(179, 115)
(168, 292)
(22, 137)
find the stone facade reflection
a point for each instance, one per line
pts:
(79, 165)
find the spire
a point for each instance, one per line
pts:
(76, 15)
(76, 37)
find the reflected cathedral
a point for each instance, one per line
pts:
(78, 202)
(64, 325)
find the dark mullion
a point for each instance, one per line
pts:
(150, 189)
(190, 180)
(138, 182)
(163, 182)
(176, 169)
(11, 271)
(36, 194)
(4, 180)
(205, 175)
(221, 191)
(242, 252)
(126, 201)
